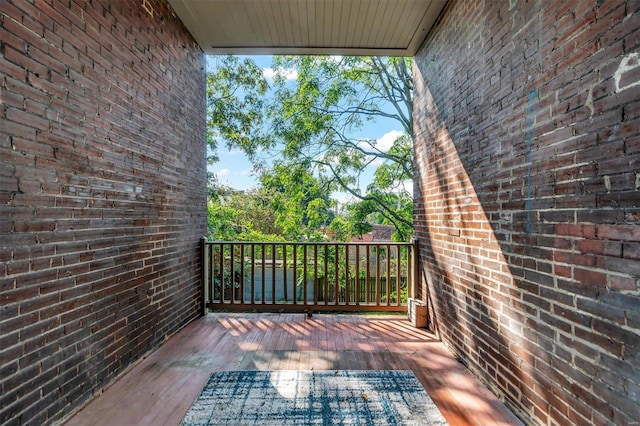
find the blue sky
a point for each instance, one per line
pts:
(236, 171)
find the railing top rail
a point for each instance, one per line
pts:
(315, 243)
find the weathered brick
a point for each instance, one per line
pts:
(623, 283)
(591, 277)
(70, 238)
(565, 134)
(624, 266)
(619, 232)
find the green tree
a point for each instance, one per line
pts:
(236, 103)
(301, 203)
(306, 125)
(332, 99)
(242, 216)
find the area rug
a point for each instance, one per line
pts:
(313, 398)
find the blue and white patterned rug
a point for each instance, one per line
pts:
(286, 398)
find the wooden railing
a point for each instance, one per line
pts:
(308, 276)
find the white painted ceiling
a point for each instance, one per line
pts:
(316, 27)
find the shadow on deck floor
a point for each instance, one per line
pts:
(159, 389)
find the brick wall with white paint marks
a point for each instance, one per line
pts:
(527, 202)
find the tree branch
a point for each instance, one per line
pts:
(373, 198)
(387, 84)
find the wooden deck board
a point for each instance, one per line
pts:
(159, 389)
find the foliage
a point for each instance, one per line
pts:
(301, 204)
(300, 138)
(332, 99)
(236, 98)
(242, 216)
(352, 223)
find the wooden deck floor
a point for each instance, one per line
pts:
(159, 389)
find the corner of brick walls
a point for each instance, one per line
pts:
(527, 201)
(102, 196)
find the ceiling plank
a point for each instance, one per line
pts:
(340, 27)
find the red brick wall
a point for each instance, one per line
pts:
(527, 201)
(102, 197)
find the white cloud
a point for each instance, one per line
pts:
(384, 142)
(223, 172)
(268, 73)
(366, 143)
(288, 74)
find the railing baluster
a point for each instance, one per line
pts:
(304, 274)
(388, 253)
(253, 274)
(284, 272)
(346, 274)
(336, 285)
(263, 275)
(215, 267)
(295, 273)
(221, 272)
(203, 273)
(356, 278)
(381, 274)
(367, 288)
(274, 299)
(315, 274)
(415, 254)
(242, 300)
(410, 277)
(326, 275)
(398, 286)
(232, 274)
(378, 282)
(212, 273)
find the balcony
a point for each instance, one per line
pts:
(296, 277)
